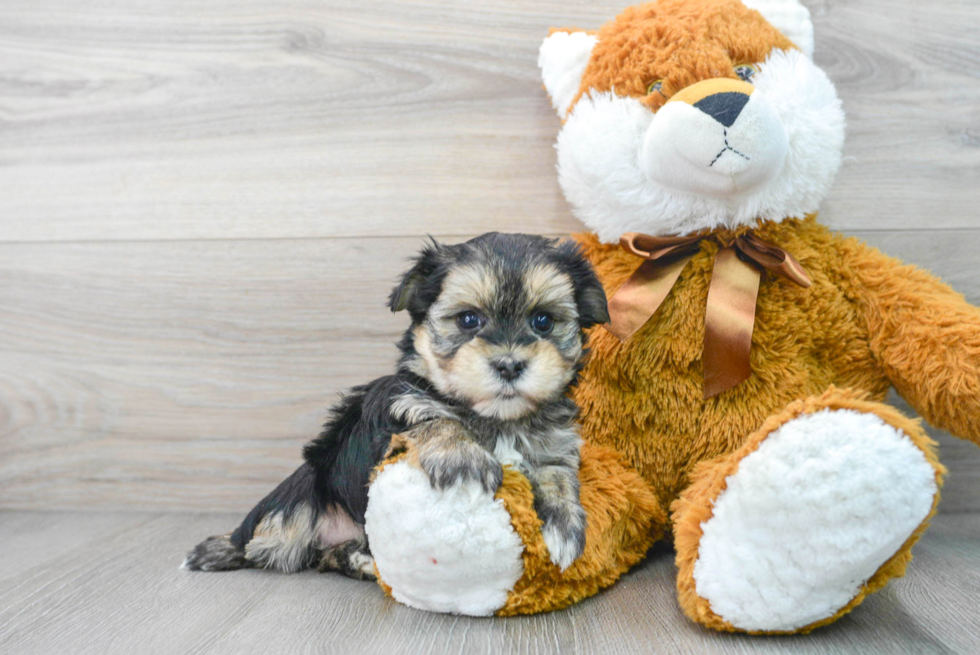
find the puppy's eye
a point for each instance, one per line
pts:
(745, 72)
(542, 323)
(469, 321)
(656, 87)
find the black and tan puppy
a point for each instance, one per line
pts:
(496, 342)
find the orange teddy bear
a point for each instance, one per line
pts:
(733, 403)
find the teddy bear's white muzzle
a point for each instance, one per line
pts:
(722, 144)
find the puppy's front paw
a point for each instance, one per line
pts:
(563, 532)
(446, 462)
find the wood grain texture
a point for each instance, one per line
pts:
(105, 583)
(180, 374)
(292, 118)
(187, 374)
(202, 208)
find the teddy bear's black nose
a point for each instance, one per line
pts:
(509, 368)
(723, 107)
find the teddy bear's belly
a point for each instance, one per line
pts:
(644, 398)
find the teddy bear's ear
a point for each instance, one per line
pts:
(789, 17)
(562, 60)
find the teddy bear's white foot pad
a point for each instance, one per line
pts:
(443, 551)
(809, 517)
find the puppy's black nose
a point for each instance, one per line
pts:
(509, 368)
(723, 107)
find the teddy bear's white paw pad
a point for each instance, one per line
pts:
(442, 550)
(809, 517)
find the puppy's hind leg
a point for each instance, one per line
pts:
(352, 558)
(279, 533)
(285, 540)
(343, 545)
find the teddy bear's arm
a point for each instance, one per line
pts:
(925, 336)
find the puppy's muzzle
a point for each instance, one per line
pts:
(508, 367)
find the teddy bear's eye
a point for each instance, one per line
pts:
(745, 72)
(655, 87)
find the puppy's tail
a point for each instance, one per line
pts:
(279, 533)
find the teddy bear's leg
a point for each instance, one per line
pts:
(453, 550)
(464, 551)
(819, 508)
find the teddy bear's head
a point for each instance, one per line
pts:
(683, 115)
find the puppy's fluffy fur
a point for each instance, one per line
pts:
(495, 343)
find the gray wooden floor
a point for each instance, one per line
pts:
(106, 583)
(202, 208)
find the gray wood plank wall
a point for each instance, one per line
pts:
(203, 206)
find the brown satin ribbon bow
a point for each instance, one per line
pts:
(730, 314)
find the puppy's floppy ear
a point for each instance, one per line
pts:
(413, 292)
(590, 298)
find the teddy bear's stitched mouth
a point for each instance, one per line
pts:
(688, 150)
(726, 149)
